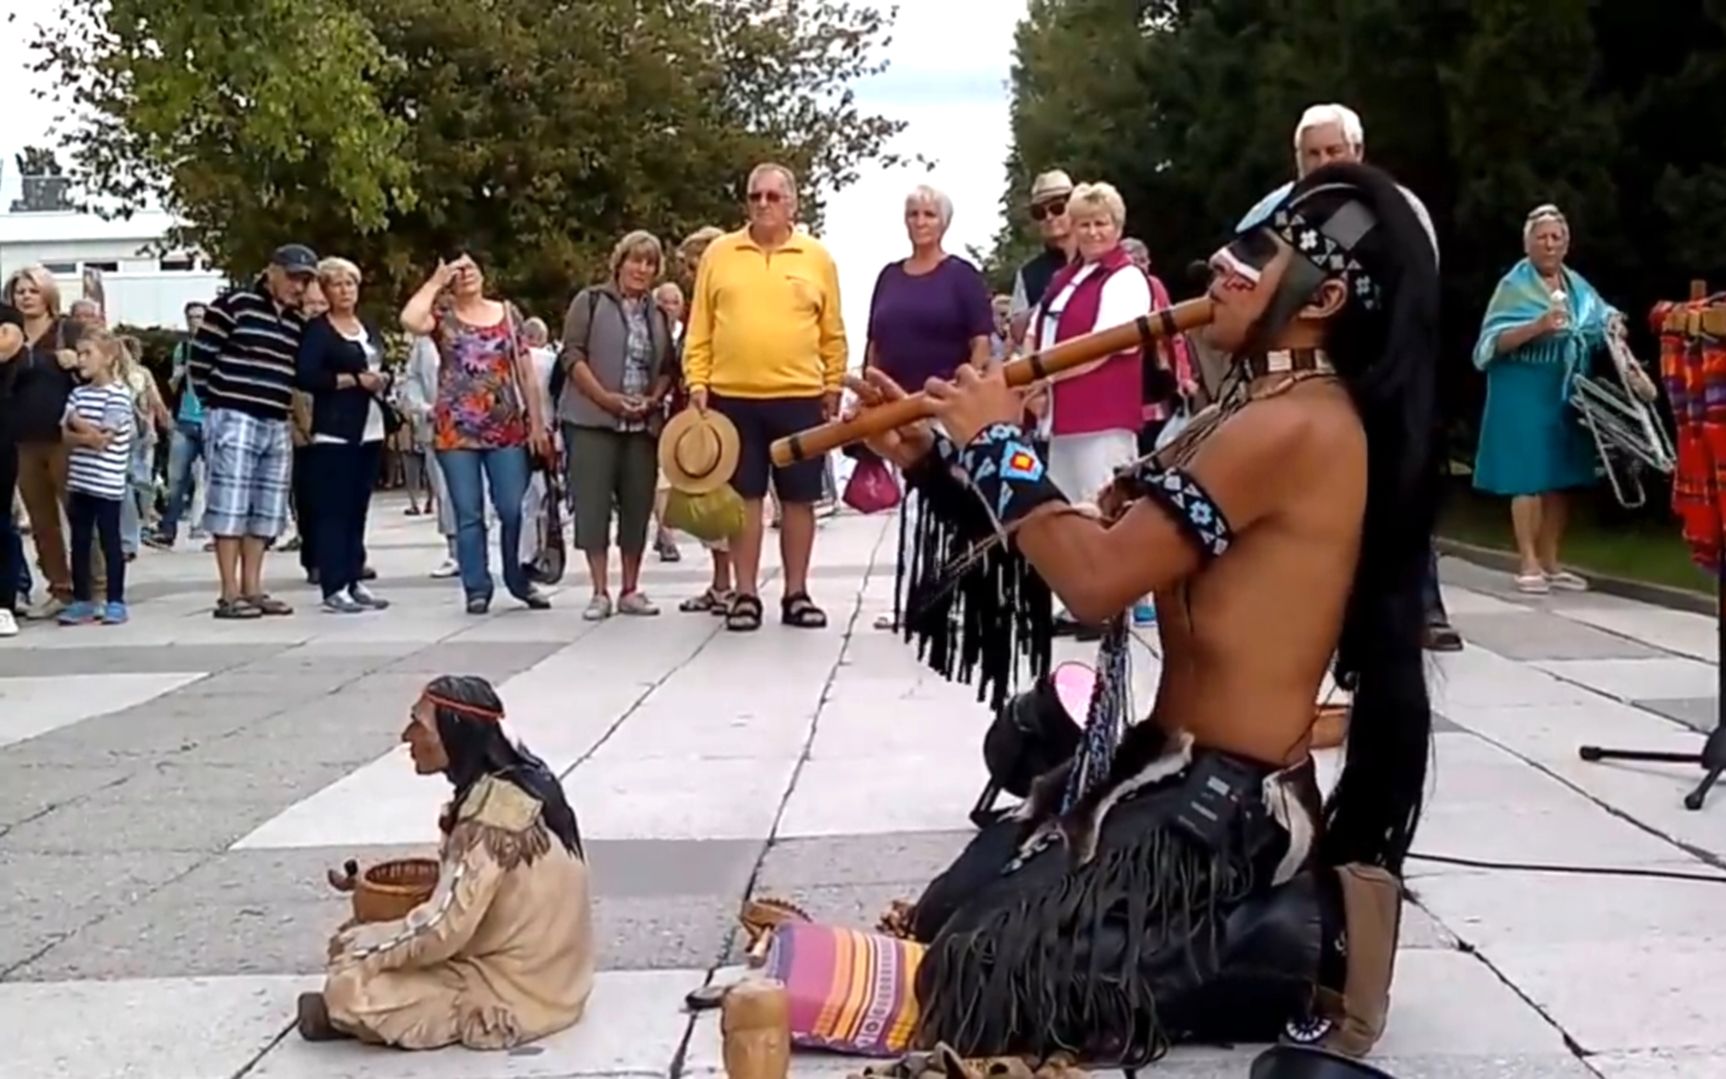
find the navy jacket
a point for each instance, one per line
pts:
(324, 354)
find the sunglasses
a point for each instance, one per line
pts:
(766, 196)
(1052, 208)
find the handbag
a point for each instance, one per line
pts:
(713, 516)
(871, 488)
(551, 560)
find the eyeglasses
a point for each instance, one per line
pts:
(1052, 208)
(766, 196)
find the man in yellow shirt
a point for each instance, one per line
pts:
(766, 348)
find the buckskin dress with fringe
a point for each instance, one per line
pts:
(500, 954)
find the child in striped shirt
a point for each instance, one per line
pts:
(100, 424)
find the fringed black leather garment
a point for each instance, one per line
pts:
(973, 605)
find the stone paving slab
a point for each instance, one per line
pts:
(187, 833)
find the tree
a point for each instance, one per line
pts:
(533, 133)
(1485, 108)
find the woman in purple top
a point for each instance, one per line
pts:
(930, 313)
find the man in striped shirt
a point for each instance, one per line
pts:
(242, 368)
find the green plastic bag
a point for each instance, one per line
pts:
(714, 516)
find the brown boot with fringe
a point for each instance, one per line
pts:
(1372, 913)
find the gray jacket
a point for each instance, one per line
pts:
(594, 333)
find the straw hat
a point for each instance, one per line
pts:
(698, 451)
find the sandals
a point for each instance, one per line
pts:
(267, 604)
(797, 609)
(711, 601)
(744, 615)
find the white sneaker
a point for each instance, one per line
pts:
(446, 569)
(8, 624)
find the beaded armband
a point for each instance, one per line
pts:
(1192, 507)
(1008, 473)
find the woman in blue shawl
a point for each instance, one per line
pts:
(1543, 327)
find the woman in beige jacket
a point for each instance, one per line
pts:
(501, 953)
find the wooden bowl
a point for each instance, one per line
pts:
(388, 890)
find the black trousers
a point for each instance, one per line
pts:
(339, 477)
(11, 571)
(94, 518)
(305, 509)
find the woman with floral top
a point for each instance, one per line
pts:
(483, 423)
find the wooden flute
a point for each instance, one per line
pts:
(1142, 333)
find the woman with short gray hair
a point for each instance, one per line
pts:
(618, 355)
(931, 313)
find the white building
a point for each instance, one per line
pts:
(142, 285)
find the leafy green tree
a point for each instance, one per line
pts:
(529, 133)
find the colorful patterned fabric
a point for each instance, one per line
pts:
(1008, 472)
(850, 992)
(1694, 370)
(478, 406)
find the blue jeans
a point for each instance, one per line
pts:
(506, 472)
(184, 450)
(140, 489)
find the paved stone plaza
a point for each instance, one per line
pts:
(172, 791)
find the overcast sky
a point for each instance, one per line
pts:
(947, 79)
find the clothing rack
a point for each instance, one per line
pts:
(1696, 320)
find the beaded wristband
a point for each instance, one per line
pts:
(1008, 473)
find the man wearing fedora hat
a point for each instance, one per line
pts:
(1049, 192)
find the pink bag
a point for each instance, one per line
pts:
(871, 488)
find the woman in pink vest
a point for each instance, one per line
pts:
(1093, 413)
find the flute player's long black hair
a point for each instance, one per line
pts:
(1387, 356)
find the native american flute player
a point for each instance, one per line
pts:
(1177, 879)
(502, 952)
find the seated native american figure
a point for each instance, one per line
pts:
(1180, 878)
(502, 951)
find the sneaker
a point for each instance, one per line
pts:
(337, 603)
(598, 608)
(49, 608)
(362, 595)
(77, 613)
(445, 570)
(159, 540)
(478, 604)
(115, 614)
(635, 603)
(8, 624)
(535, 599)
(667, 550)
(1565, 581)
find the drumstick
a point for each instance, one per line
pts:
(1142, 332)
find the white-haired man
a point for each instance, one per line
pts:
(1328, 133)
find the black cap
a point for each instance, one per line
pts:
(295, 258)
(11, 315)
